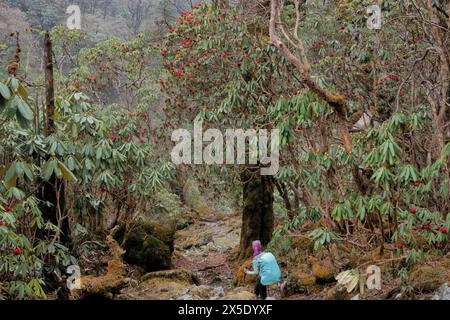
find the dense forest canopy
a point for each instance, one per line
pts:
(87, 119)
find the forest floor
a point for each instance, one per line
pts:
(204, 249)
(204, 268)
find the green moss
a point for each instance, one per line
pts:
(241, 278)
(194, 199)
(171, 203)
(148, 245)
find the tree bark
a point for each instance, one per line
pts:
(282, 190)
(49, 86)
(53, 190)
(257, 216)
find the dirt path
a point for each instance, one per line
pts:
(205, 248)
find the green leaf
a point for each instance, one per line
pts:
(47, 169)
(16, 193)
(10, 172)
(14, 84)
(22, 92)
(24, 123)
(27, 171)
(4, 91)
(25, 110)
(11, 107)
(66, 173)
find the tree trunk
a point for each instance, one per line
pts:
(49, 87)
(53, 190)
(282, 190)
(257, 216)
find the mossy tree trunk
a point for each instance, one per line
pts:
(257, 216)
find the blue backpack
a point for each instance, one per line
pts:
(268, 268)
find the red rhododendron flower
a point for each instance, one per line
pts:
(440, 246)
(412, 210)
(17, 251)
(399, 245)
(443, 230)
(8, 208)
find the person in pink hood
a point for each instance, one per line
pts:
(265, 266)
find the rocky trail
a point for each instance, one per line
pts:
(203, 267)
(206, 247)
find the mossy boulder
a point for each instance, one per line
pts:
(304, 279)
(300, 280)
(323, 270)
(338, 292)
(148, 245)
(156, 289)
(196, 240)
(182, 275)
(241, 278)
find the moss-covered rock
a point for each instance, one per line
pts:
(156, 289)
(300, 280)
(338, 292)
(304, 279)
(182, 275)
(148, 245)
(196, 240)
(244, 279)
(323, 270)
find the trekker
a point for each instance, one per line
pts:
(265, 266)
